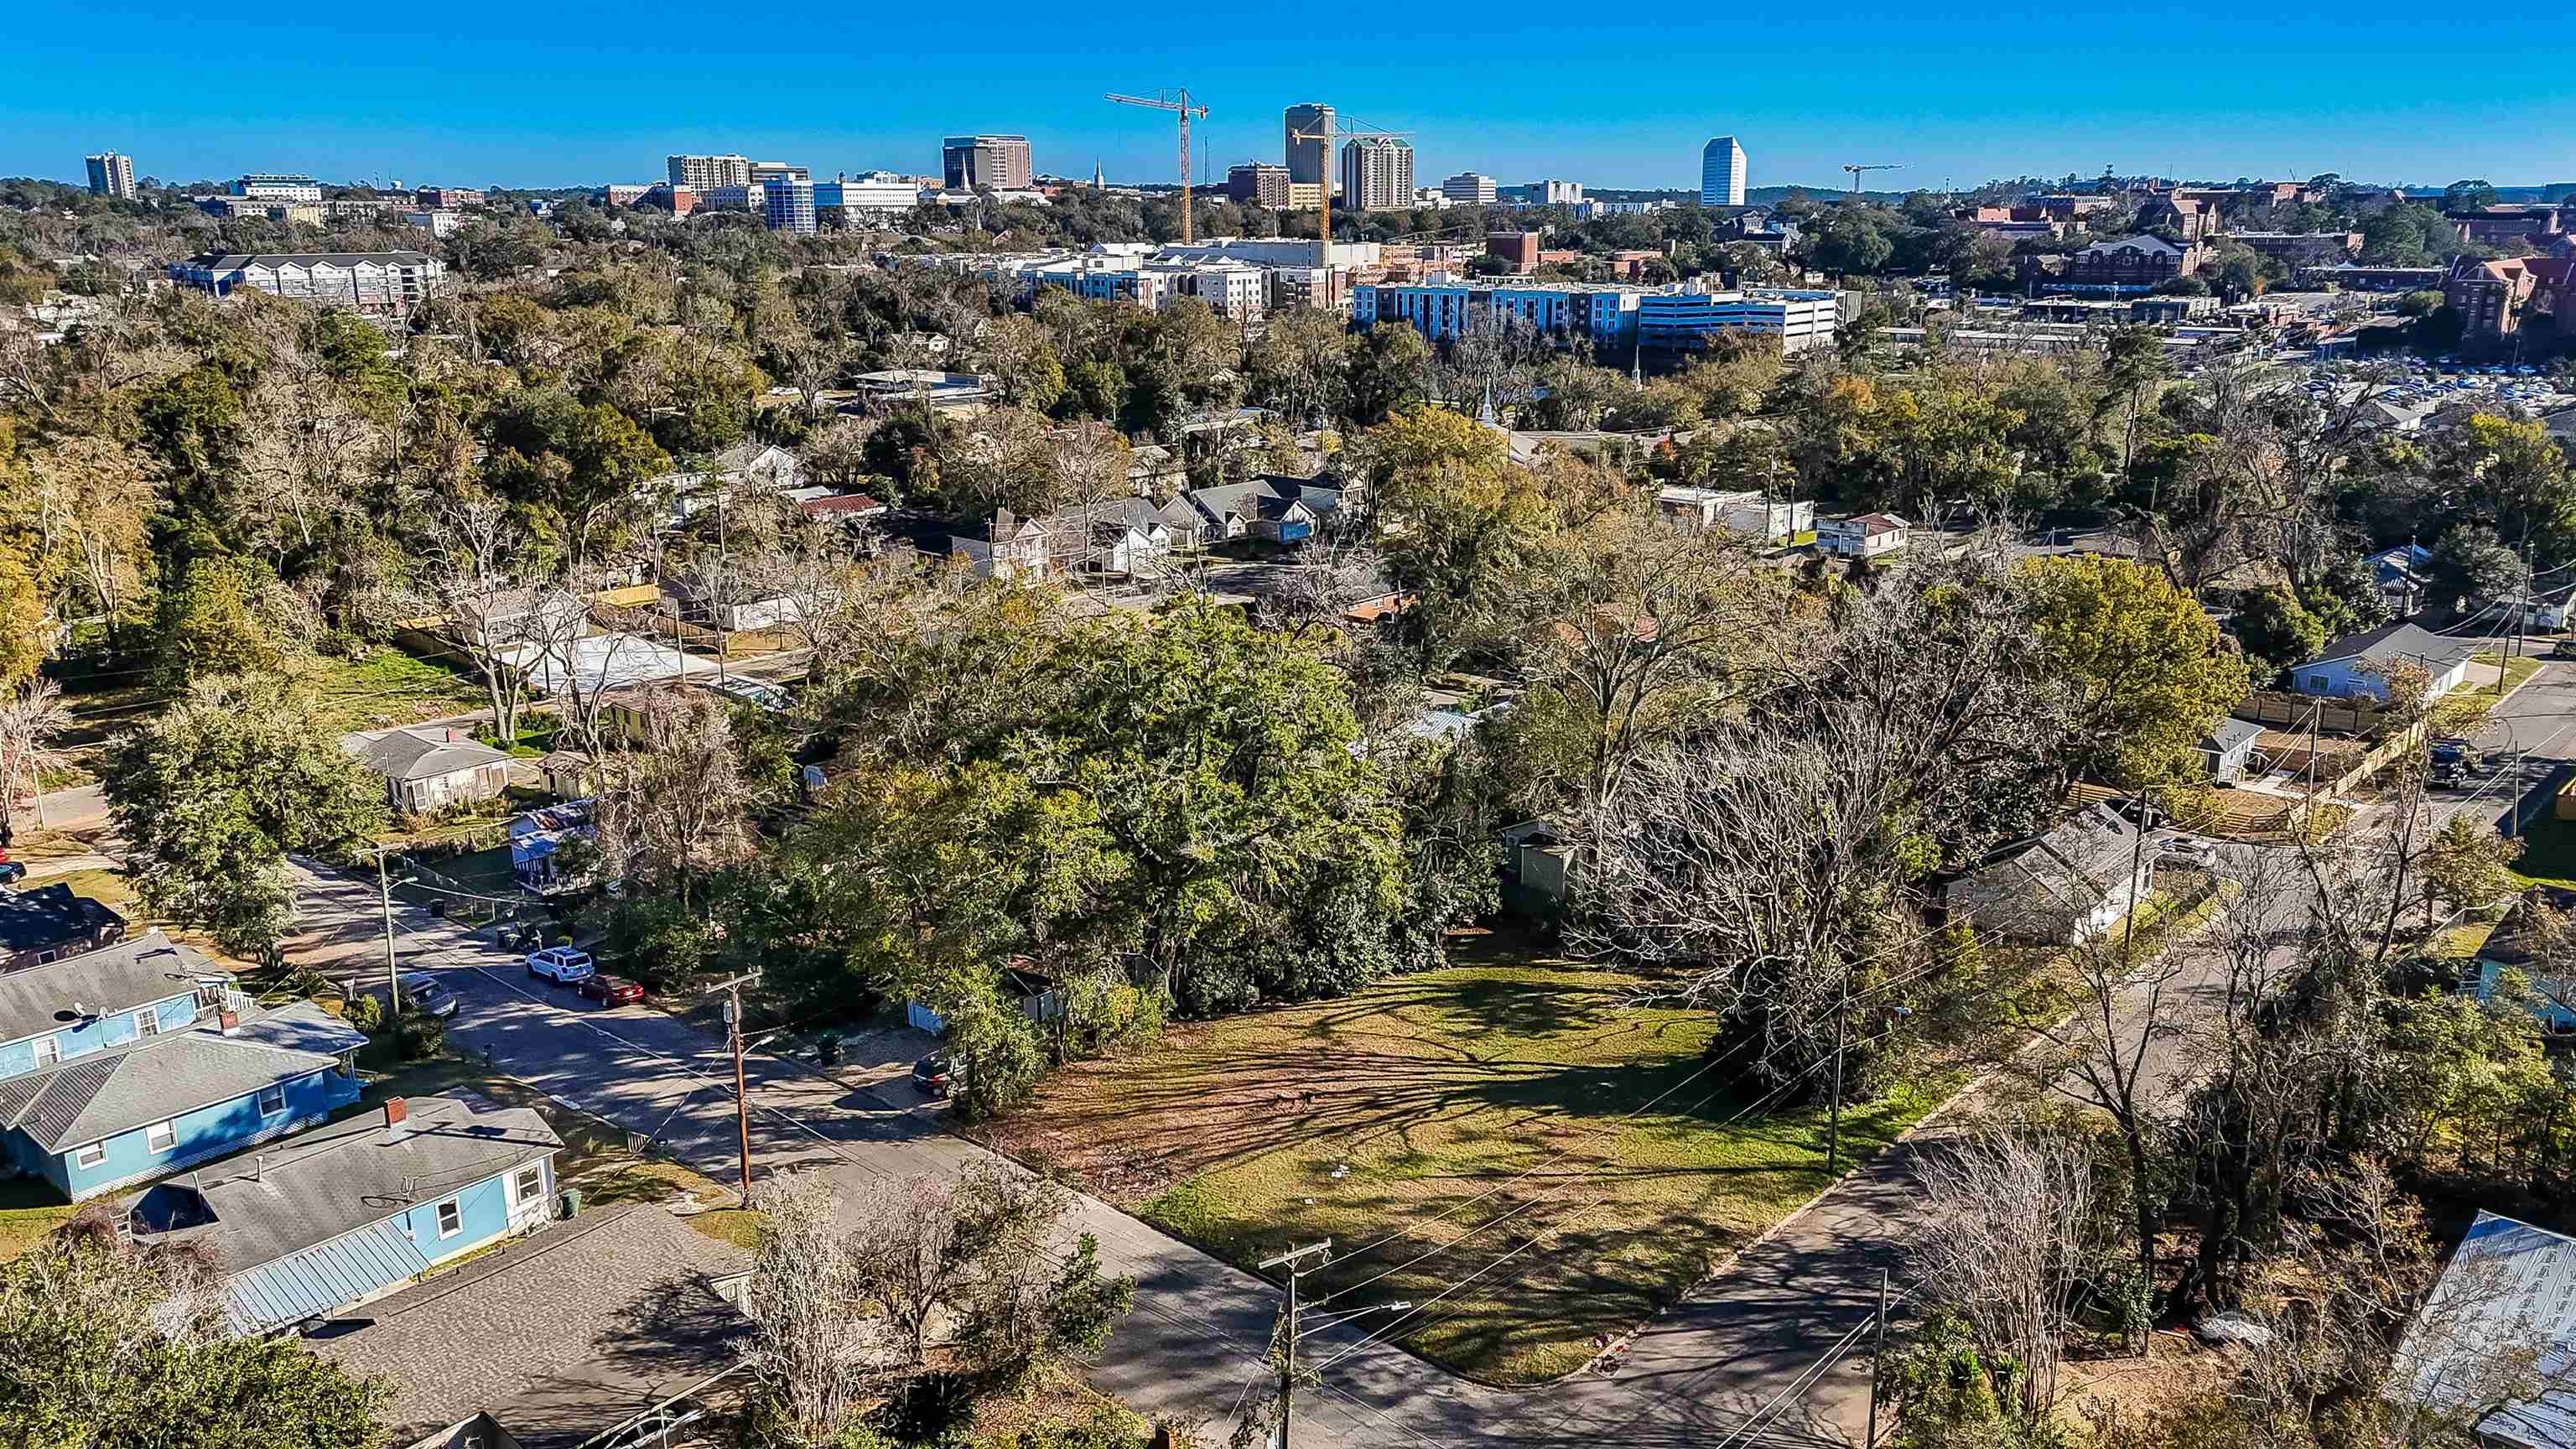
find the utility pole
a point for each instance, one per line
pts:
(385, 897)
(1834, 1133)
(1877, 1357)
(1293, 1260)
(741, 1094)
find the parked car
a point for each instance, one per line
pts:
(2182, 852)
(609, 990)
(11, 872)
(931, 1074)
(2563, 649)
(561, 965)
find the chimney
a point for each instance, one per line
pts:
(395, 1109)
(229, 1021)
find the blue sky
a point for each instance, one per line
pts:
(472, 92)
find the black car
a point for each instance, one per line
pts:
(931, 1074)
(11, 872)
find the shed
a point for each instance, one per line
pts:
(2229, 747)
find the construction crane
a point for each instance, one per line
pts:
(1176, 100)
(1857, 170)
(1324, 231)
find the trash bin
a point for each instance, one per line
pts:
(568, 1204)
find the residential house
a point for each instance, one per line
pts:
(2404, 575)
(357, 1208)
(431, 766)
(2066, 886)
(1269, 508)
(502, 616)
(730, 600)
(1004, 546)
(1751, 512)
(1538, 866)
(46, 923)
(2361, 664)
(2522, 943)
(844, 507)
(2228, 748)
(132, 1062)
(2502, 1297)
(962, 393)
(1863, 535)
(1115, 535)
(576, 1331)
(744, 468)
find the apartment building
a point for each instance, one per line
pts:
(1721, 173)
(447, 198)
(1377, 174)
(1306, 159)
(384, 282)
(1258, 182)
(2302, 248)
(312, 213)
(997, 163)
(787, 204)
(1517, 250)
(703, 174)
(111, 174)
(1445, 306)
(436, 223)
(1469, 188)
(277, 186)
(2500, 297)
(1684, 317)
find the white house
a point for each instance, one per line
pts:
(2360, 664)
(1751, 512)
(2229, 747)
(433, 766)
(1863, 535)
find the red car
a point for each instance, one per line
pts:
(609, 990)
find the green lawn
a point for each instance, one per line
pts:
(27, 1213)
(389, 687)
(1393, 1114)
(2516, 670)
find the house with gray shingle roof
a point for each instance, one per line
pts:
(1277, 509)
(2068, 885)
(431, 766)
(141, 1060)
(356, 1209)
(2362, 664)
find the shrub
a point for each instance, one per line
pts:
(339, 644)
(365, 1013)
(423, 1036)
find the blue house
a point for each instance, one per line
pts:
(353, 1210)
(136, 1061)
(2362, 664)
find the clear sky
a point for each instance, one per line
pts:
(533, 93)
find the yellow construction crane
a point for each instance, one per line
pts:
(1857, 170)
(1176, 100)
(1324, 231)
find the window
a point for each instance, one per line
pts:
(161, 1136)
(147, 1022)
(48, 1051)
(451, 1219)
(272, 1100)
(527, 1184)
(90, 1156)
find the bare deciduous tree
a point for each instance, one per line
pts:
(819, 1363)
(30, 716)
(2010, 1240)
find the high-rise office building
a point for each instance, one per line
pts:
(1721, 173)
(703, 174)
(764, 172)
(1000, 163)
(1306, 159)
(1258, 182)
(1469, 188)
(1377, 174)
(787, 204)
(111, 174)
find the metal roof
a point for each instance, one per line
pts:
(321, 1278)
(2509, 1288)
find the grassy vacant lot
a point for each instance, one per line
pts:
(2516, 669)
(1398, 1122)
(389, 687)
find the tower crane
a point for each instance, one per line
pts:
(1324, 231)
(1176, 100)
(1856, 170)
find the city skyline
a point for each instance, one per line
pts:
(439, 102)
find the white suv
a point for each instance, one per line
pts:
(562, 965)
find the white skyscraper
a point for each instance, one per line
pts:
(1721, 173)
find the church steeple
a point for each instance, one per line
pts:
(1098, 182)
